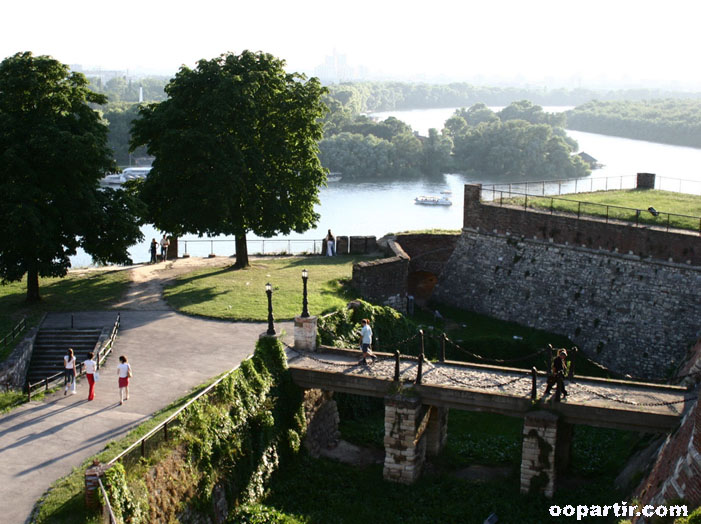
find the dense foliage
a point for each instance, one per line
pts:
(235, 148)
(234, 440)
(54, 151)
(670, 121)
(387, 96)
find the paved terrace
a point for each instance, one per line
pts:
(615, 404)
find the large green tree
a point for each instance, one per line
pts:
(235, 147)
(53, 152)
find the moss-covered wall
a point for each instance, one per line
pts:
(225, 450)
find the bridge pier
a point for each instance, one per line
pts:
(436, 431)
(321, 414)
(406, 420)
(546, 451)
(305, 333)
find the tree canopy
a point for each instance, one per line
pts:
(235, 148)
(53, 152)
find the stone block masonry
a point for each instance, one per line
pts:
(636, 317)
(643, 242)
(405, 449)
(384, 281)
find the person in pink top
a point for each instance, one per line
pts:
(124, 374)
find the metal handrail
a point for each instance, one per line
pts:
(164, 425)
(289, 242)
(102, 354)
(16, 330)
(660, 182)
(107, 513)
(608, 207)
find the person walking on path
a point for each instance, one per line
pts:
(365, 342)
(153, 249)
(164, 247)
(69, 371)
(330, 244)
(124, 374)
(91, 374)
(559, 370)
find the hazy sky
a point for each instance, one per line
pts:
(543, 42)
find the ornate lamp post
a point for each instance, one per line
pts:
(305, 311)
(269, 291)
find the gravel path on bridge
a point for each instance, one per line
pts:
(42, 441)
(511, 383)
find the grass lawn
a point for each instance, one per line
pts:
(240, 294)
(595, 204)
(78, 291)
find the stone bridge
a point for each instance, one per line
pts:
(416, 413)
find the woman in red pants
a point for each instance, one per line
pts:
(90, 371)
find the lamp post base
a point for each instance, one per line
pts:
(305, 333)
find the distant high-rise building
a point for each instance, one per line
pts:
(335, 69)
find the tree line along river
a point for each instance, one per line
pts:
(380, 207)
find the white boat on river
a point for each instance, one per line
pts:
(443, 200)
(128, 173)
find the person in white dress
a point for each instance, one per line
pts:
(124, 373)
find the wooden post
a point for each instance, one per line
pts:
(396, 365)
(420, 370)
(534, 376)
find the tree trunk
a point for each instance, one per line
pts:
(241, 252)
(33, 285)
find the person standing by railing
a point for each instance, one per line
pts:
(69, 371)
(90, 374)
(330, 244)
(365, 342)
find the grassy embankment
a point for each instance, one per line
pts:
(78, 291)
(595, 204)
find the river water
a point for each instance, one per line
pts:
(379, 207)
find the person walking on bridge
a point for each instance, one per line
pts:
(365, 342)
(559, 370)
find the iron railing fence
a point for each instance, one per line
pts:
(151, 440)
(14, 333)
(107, 516)
(102, 353)
(268, 246)
(589, 185)
(648, 217)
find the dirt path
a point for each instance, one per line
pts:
(145, 292)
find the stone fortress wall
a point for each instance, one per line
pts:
(610, 288)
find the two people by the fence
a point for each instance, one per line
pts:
(330, 244)
(91, 374)
(558, 372)
(366, 342)
(69, 371)
(124, 374)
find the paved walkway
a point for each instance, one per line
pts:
(170, 353)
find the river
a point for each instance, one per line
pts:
(377, 208)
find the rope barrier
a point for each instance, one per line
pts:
(478, 386)
(499, 360)
(632, 402)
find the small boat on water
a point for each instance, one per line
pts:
(129, 173)
(333, 177)
(443, 200)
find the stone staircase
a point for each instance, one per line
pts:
(50, 346)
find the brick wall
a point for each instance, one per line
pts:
(384, 281)
(677, 470)
(596, 234)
